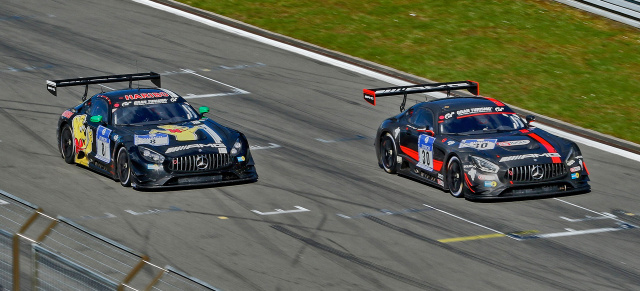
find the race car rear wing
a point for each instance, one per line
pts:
(371, 94)
(52, 85)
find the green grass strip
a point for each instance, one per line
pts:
(536, 54)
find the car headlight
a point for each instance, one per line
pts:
(485, 165)
(150, 155)
(237, 147)
(571, 157)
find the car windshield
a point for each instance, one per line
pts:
(482, 123)
(154, 114)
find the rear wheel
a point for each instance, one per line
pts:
(66, 144)
(388, 154)
(455, 177)
(122, 164)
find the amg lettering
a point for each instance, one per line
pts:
(194, 146)
(532, 156)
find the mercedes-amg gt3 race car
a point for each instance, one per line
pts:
(149, 137)
(475, 147)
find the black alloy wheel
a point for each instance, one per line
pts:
(455, 177)
(122, 164)
(388, 154)
(66, 144)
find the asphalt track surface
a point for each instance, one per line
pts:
(323, 215)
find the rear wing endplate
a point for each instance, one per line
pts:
(371, 94)
(52, 85)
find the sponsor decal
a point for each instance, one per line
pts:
(241, 159)
(575, 176)
(154, 167)
(571, 162)
(425, 152)
(150, 102)
(67, 114)
(440, 182)
(186, 133)
(103, 149)
(476, 110)
(182, 133)
(146, 95)
(156, 139)
(479, 144)
(451, 142)
(490, 184)
(530, 156)
(370, 99)
(488, 177)
(82, 138)
(513, 143)
(575, 169)
(221, 147)
(51, 86)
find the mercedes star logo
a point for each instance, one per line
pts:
(202, 162)
(537, 172)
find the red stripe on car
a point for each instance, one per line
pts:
(466, 179)
(494, 101)
(413, 154)
(547, 146)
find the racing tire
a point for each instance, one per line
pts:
(388, 153)
(66, 144)
(455, 177)
(122, 167)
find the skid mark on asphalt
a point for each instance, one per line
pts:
(354, 259)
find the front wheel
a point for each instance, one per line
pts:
(388, 154)
(122, 164)
(455, 177)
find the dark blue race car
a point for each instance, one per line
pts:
(475, 147)
(149, 137)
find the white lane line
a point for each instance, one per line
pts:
(614, 217)
(469, 221)
(571, 232)
(280, 211)
(235, 90)
(270, 146)
(360, 70)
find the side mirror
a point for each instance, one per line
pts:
(96, 119)
(203, 110)
(530, 118)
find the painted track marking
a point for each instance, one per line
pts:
(280, 211)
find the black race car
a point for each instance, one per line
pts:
(149, 137)
(475, 147)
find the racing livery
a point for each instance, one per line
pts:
(149, 137)
(475, 147)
